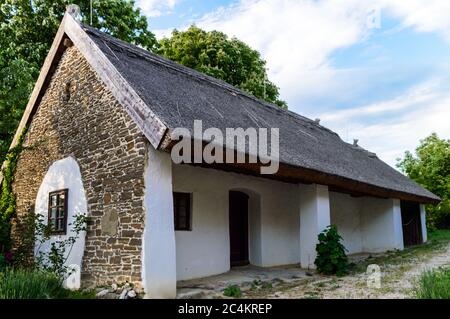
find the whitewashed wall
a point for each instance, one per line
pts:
(158, 248)
(63, 174)
(346, 215)
(423, 223)
(381, 224)
(273, 229)
(367, 224)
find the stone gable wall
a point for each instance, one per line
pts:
(79, 117)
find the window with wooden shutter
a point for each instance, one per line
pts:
(182, 211)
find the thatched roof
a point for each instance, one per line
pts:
(162, 95)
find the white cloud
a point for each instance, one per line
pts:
(298, 37)
(406, 119)
(156, 8)
(295, 37)
(416, 96)
(424, 16)
(163, 33)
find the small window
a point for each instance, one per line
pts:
(57, 211)
(182, 211)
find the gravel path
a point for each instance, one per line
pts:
(399, 274)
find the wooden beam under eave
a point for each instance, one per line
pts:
(295, 175)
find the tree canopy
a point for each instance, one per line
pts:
(430, 167)
(27, 29)
(230, 60)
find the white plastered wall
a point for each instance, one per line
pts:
(367, 224)
(423, 223)
(158, 242)
(64, 174)
(346, 215)
(273, 221)
(314, 218)
(381, 224)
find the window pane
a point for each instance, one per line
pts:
(61, 224)
(61, 212)
(182, 212)
(53, 213)
(53, 200)
(182, 222)
(61, 199)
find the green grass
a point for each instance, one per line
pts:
(24, 284)
(434, 284)
(439, 235)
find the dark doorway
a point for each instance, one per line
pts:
(412, 228)
(238, 228)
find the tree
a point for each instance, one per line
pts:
(27, 29)
(229, 60)
(430, 167)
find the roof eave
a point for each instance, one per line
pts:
(295, 174)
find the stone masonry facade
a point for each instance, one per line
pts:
(79, 117)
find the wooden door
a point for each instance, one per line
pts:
(238, 217)
(412, 228)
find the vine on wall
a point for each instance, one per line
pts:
(7, 198)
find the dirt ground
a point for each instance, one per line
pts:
(399, 275)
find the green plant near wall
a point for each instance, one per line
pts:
(7, 197)
(232, 291)
(331, 258)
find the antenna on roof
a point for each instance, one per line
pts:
(355, 142)
(74, 11)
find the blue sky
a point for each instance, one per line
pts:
(373, 70)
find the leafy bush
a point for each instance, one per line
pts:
(232, 291)
(331, 258)
(35, 235)
(434, 284)
(5, 260)
(3, 263)
(54, 260)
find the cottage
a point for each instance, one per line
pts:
(98, 143)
